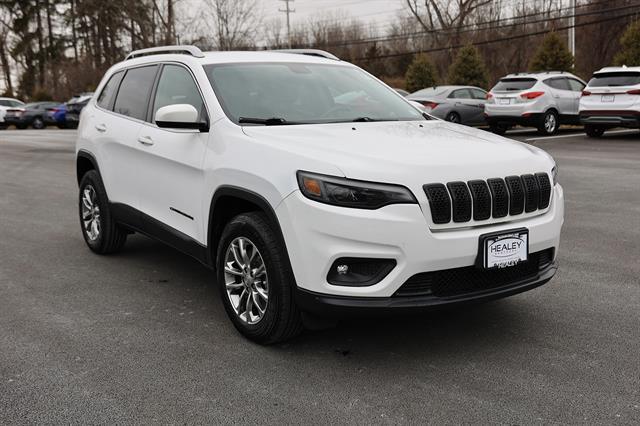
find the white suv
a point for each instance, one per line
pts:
(543, 100)
(611, 99)
(313, 189)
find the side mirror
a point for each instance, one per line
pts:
(180, 116)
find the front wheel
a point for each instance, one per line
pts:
(256, 283)
(498, 128)
(549, 123)
(101, 233)
(594, 131)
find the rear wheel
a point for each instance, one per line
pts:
(101, 233)
(453, 117)
(37, 123)
(549, 123)
(594, 131)
(256, 282)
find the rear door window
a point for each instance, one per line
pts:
(514, 84)
(460, 94)
(133, 95)
(613, 79)
(558, 83)
(478, 94)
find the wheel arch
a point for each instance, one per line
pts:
(85, 161)
(227, 202)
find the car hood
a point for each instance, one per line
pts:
(409, 153)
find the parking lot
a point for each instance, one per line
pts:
(142, 336)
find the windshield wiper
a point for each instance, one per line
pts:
(368, 119)
(272, 121)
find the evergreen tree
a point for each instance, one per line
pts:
(420, 74)
(552, 55)
(468, 69)
(630, 46)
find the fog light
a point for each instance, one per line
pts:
(359, 272)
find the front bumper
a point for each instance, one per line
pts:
(340, 306)
(610, 118)
(317, 235)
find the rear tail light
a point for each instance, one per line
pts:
(430, 105)
(586, 93)
(489, 96)
(633, 92)
(531, 95)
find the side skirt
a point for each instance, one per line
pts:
(145, 224)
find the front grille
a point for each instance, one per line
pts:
(471, 279)
(481, 200)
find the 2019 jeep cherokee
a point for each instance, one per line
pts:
(310, 187)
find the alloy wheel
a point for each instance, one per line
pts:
(550, 123)
(90, 213)
(246, 280)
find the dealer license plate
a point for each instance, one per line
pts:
(505, 249)
(608, 98)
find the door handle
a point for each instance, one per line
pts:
(101, 128)
(145, 140)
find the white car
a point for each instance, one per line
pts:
(611, 99)
(544, 100)
(305, 207)
(5, 104)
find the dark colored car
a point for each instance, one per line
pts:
(72, 116)
(32, 114)
(57, 115)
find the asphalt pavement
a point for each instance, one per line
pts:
(142, 337)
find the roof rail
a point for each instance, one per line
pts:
(185, 50)
(309, 52)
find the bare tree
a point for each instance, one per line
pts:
(234, 22)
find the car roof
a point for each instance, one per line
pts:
(618, 69)
(539, 75)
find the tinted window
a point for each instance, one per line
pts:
(610, 79)
(514, 84)
(104, 100)
(558, 83)
(133, 94)
(176, 86)
(478, 94)
(460, 94)
(575, 85)
(305, 93)
(4, 102)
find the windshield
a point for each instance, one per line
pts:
(611, 79)
(514, 84)
(297, 93)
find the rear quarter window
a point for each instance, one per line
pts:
(106, 95)
(613, 79)
(514, 84)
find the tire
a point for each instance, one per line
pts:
(276, 318)
(110, 236)
(549, 123)
(453, 117)
(594, 131)
(497, 128)
(38, 123)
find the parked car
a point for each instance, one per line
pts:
(611, 99)
(308, 201)
(544, 100)
(32, 114)
(74, 109)
(58, 115)
(5, 104)
(457, 104)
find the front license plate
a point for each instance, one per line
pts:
(608, 98)
(505, 249)
(504, 101)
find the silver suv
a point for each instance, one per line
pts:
(543, 100)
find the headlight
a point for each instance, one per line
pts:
(352, 193)
(554, 175)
